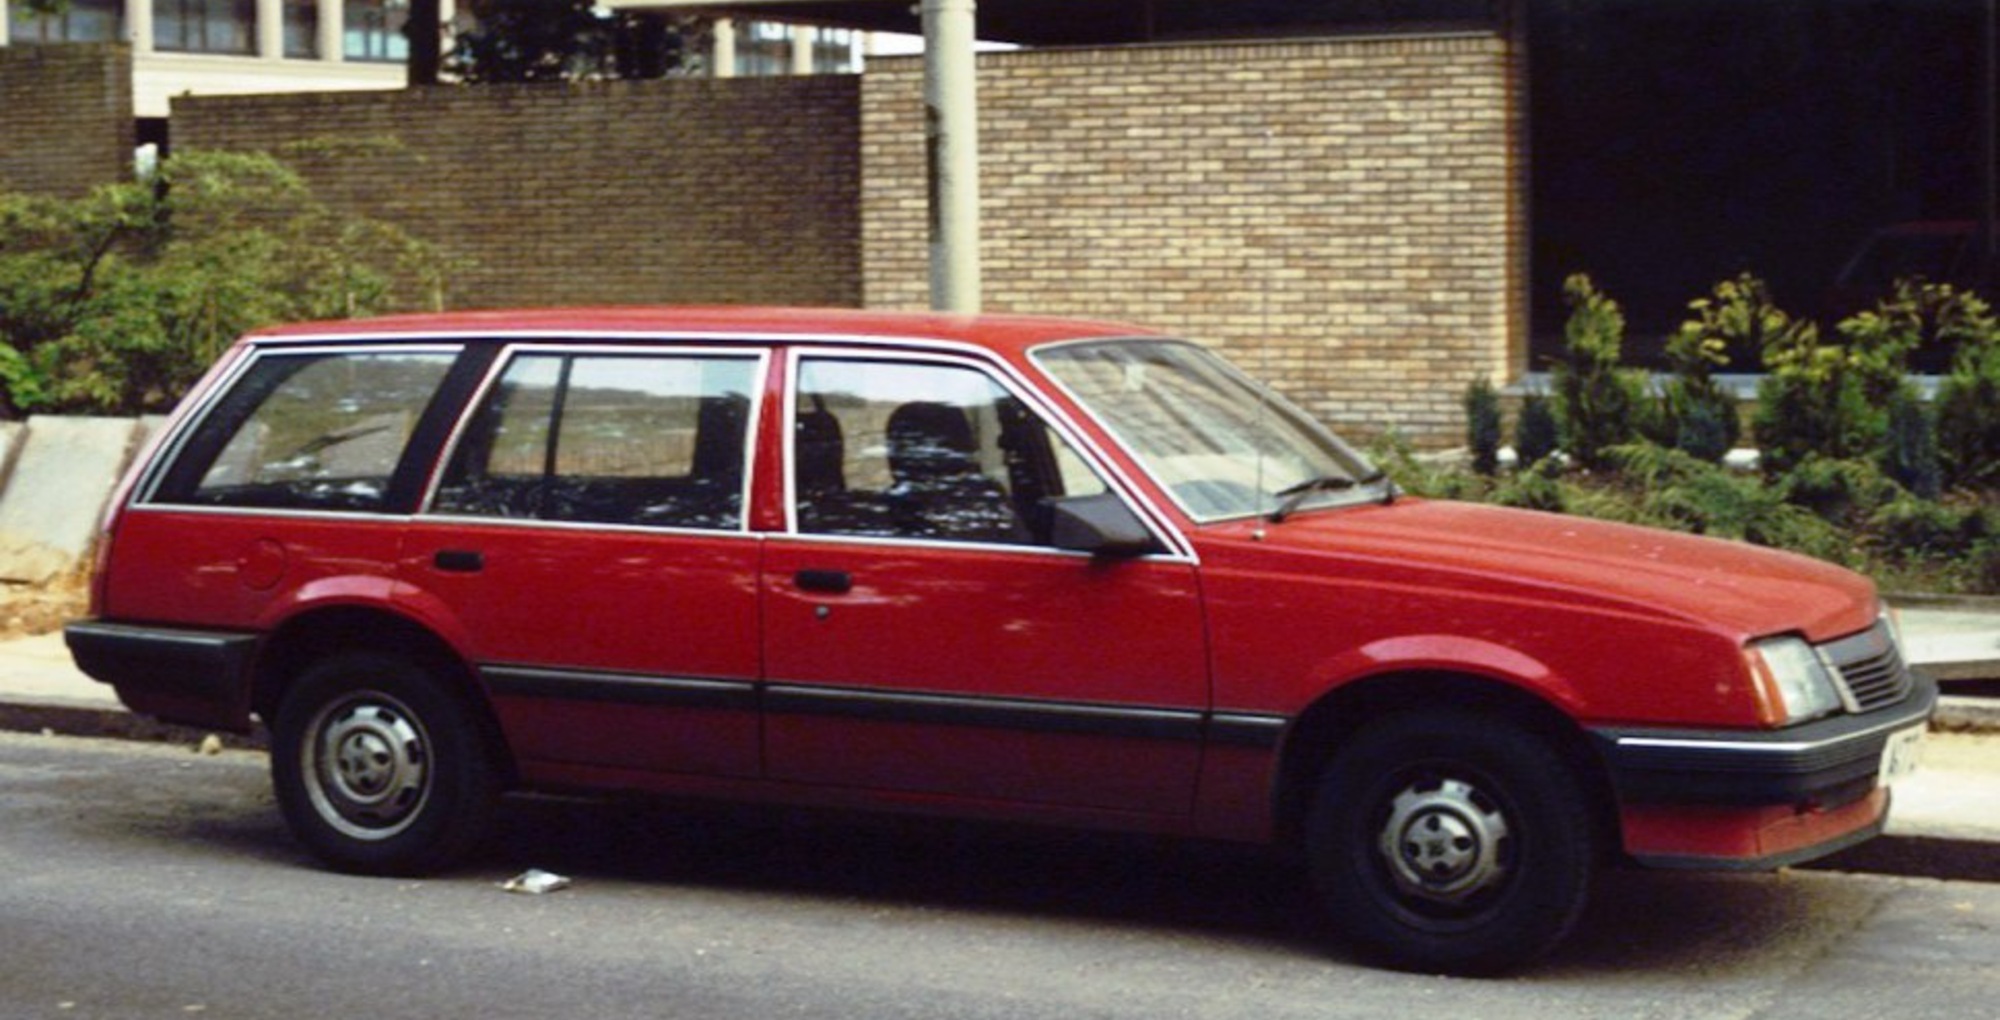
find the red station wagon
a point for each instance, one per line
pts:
(1015, 568)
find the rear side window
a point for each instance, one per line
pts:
(643, 440)
(307, 431)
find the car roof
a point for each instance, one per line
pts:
(1004, 333)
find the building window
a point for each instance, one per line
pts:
(374, 30)
(833, 51)
(205, 26)
(81, 21)
(302, 29)
(1826, 146)
(763, 48)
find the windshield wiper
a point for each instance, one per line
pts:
(1295, 495)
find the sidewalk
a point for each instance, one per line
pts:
(1945, 822)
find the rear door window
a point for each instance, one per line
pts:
(308, 430)
(648, 440)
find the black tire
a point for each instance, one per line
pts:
(380, 768)
(1453, 843)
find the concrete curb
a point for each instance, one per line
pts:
(1967, 715)
(76, 720)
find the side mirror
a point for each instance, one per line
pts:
(1101, 525)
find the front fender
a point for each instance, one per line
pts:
(1449, 653)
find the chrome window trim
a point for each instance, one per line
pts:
(348, 516)
(760, 356)
(747, 336)
(183, 426)
(1017, 386)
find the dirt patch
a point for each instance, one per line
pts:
(30, 609)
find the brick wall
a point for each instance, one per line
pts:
(65, 117)
(1341, 217)
(722, 191)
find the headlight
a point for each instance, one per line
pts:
(1791, 671)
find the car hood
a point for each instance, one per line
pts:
(1751, 590)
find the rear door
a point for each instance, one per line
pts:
(924, 637)
(587, 540)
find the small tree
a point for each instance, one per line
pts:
(1968, 400)
(1699, 416)
(1811, 399)
(1482, 425)
(115, 302)
(1596, 401)
(1536, 436)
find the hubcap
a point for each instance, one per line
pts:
(1444, 841)
(367, 765)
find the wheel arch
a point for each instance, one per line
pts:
(319, 633)
(1319, 731)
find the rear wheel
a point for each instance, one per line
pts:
(1451, 842)
(379, 768)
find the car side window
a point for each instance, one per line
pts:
(927, 451)
(646, 440)
(307, 431)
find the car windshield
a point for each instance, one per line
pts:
(1222, 445)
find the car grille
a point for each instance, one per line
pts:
(1869, 668)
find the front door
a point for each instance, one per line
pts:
(922, 634)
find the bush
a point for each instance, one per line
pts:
(1910, 450)
(1968, 400)
(1536, 437)
(114, 303)
(1534, 488)
(1482, 426)
(1597, 403)
(1700, 417)
(1811, 399)
(1841, 491)
(1909, 525)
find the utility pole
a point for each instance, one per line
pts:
(951, 137)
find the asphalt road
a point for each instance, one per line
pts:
(146, 881)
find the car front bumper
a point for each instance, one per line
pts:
(1737, 799)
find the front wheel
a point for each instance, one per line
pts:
(379, 768)
(1451, 842)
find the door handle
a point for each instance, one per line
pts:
(459, 561)
(832, 582)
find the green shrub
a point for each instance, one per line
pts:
(1597, 403)
(1482, 425)
(1700, 416)
(1536, 436)
(1910, 449)
(1533, 488)
(1812, 399)
(1841, 491)
(114, 303)
(1909, 525)
(1968, 400)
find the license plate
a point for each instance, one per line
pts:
(1899, 757)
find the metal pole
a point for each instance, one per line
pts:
(951, 135)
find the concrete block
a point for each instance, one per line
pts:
(10, 444)
(62, 479)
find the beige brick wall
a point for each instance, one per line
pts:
(732, 191)
(65, 118)
(1341, 217)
